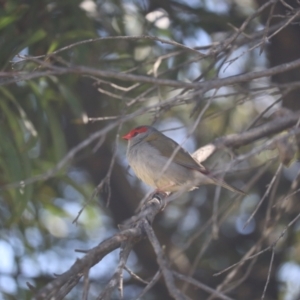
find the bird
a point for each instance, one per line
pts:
(163, 164)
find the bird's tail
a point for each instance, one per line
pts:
(228, 186)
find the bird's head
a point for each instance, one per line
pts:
(138, 134)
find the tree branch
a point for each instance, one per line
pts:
(167, 273)
(245, 138)
(133, 235)
(241, 139)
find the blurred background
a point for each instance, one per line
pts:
(41, 119)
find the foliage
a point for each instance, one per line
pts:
(75, 75)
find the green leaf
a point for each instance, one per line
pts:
(36, 36)
(53, 47)
(57, 133)
(5, 21)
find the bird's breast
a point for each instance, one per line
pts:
(144, 160)
(156, 170)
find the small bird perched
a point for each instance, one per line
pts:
(149, 152)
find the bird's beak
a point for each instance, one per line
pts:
(126, 136)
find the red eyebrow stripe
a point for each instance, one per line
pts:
(140, 129)
(131, 133)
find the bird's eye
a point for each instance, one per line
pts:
(135, 133)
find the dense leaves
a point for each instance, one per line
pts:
(51, 166)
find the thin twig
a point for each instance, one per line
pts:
(265, 195)
(269, 274)
(167, 273)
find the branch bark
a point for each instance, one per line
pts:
(242, 139)
(245, 138)
(133, 234)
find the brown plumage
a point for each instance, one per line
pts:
(148, 153)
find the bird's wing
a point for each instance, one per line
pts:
(166, 148)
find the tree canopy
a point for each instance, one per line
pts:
(220, 77)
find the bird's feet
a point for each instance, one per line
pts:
(161, 196)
